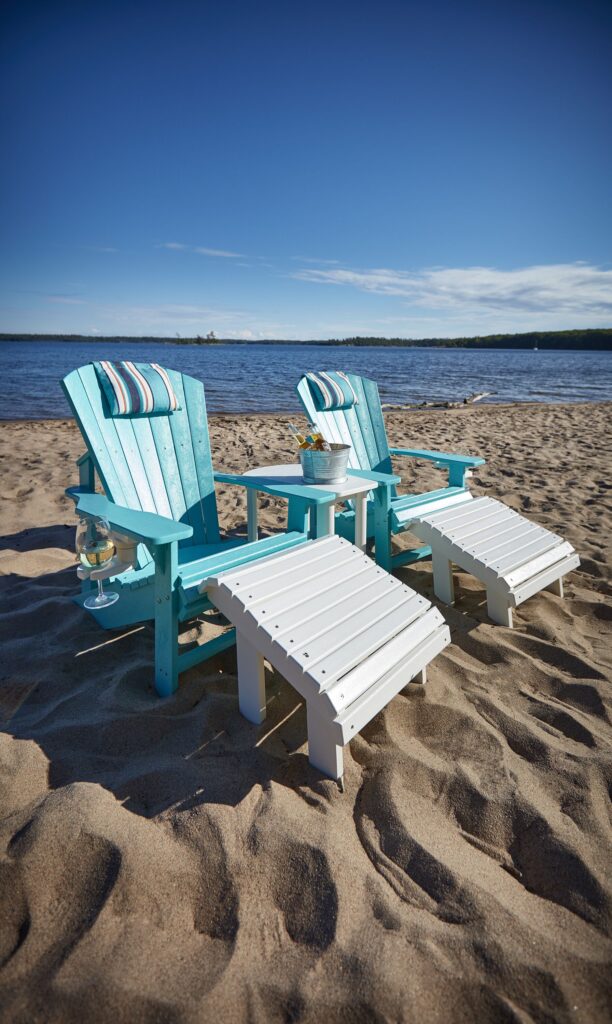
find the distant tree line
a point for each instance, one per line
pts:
(595, 339)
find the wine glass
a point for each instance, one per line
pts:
(96, 550)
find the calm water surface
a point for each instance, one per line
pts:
(262, 378)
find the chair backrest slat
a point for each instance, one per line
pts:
(362, 425)
(156, 463)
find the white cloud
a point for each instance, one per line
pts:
(66, 300)
(565, 288)
(218, 252)
(201, 250)
(321, 263)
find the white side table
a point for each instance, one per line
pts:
(355, 487)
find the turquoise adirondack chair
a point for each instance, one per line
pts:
(362, 426)
(159, 484)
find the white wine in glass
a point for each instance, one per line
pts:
(96, 550)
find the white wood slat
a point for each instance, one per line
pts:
(329, 657)
(382, 660)
(544, 576)
(325, 637)
(322, 573)
(488, 551)
(353, 718)
(302, 594)
(343, 436)
(308, 602)
(443, 517)
(478, 541)
(478, 517)
(421, 511)
(492, 523)
(299, 625)
(264, 568)
(536, 565)
(512, 557)
(279, 578)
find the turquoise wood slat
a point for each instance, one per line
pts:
(343, 435)
(129, 443)
(365, 423)
(76, 393)
(114, 453)
(198, 425)
(364, 457)
(164, 443)
(370, 389)
(183, 449)
(355, 438)
(206, 567)
(150, 458)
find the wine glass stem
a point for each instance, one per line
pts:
(100, 591)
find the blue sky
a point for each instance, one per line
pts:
(305, 170)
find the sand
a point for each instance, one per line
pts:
(165, 861)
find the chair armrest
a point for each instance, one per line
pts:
(442, 457)
(262, 483)
(146, 527)
(381, 479)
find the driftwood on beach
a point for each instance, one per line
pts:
(476, 397)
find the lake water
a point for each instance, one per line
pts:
(262, 378)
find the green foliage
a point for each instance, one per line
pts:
(596, 339)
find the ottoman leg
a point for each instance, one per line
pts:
(498, 608)
(556, 587)
(323, 751)
(251, 681)
(444, 587)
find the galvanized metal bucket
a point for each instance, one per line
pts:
(325, 467)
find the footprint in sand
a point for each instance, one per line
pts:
(311, 919)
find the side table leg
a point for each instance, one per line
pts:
(251, 681)
(252, 531)
(324, 520)
(361, 518)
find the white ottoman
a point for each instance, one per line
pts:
(346, 634)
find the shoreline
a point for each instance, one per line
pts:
(388, 409)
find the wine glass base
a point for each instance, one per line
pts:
(100, 601)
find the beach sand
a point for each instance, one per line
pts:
(165, 861)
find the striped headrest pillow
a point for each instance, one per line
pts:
(332, 389)
(136, 389)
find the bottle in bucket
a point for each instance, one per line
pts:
(300, 440)
(316, 439)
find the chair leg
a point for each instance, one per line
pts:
(323, 751)
(166, 620)
(556, 587)
(444, 587)
(251, 681)
(498, 608)
(166, 647)
(382, 542)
